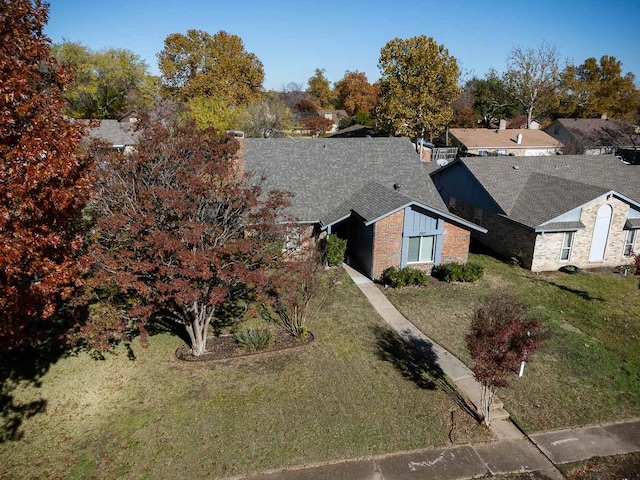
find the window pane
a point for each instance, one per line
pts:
(426, 249)
(414, 249)
(568, 238)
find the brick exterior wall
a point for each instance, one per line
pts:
(548, 247)
(455, 244)
(513, 240)
(387, 243)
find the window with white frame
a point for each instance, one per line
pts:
(567, 244)
(421, 249)
(629, 240)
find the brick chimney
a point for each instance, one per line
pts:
(238, 157)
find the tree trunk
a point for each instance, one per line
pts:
(197, 328)
(486, 400)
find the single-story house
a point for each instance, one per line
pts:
(520, 142)
(547, 212)
(119, 134)
(374, 192)
(594, 136)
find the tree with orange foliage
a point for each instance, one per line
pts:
(355, 93)
(44, 180)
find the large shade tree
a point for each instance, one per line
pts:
(179, 230)
(108, 83)
(532, 79)
(319, 89)
(598, 87)
(355, 93)
(201, 64)
(418, 83)
(44, 180)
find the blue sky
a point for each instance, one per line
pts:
(293, 38)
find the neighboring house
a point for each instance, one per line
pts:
(514, 142)
(121, 135)
(594, 136)
(547, 212)
(356, 130)
(335, 116)
(375, 192)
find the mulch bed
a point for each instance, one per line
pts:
(225, 346)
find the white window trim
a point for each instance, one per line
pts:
(570, 249)
(629, 243)
(433, 249)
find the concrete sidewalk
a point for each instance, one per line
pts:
(513, 451)
(472, 461)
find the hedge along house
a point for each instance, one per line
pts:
(547, 212)
(374, 192)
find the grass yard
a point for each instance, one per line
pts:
(589, 370)
(156, 417)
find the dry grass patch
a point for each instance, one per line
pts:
(158, 417)
(588, 371)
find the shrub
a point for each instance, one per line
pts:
(395, 277)
(336, 248)
(458, 272)
(255, 339)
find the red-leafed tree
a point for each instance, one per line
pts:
(44, 180)
(502, 335)
(179, 229)
(316, 124)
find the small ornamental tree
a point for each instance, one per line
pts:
(636, 258)
(44, 179)
(291, 290)
(179, 230)
(501, 337)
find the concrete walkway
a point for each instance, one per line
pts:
(513, 451)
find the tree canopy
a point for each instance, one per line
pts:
(179, 231)
(419, 80)
(355, 93)
(44, 180)
(596, 88)
(201, 64)
(108, 83)
(319, 88)
(532, 79)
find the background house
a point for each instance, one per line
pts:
(503, 141)
(375, 192)
(549, 211)
(119, 134)
(594, 136)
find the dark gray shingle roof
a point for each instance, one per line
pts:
(114, 132)
(324, 173)
(533, 190)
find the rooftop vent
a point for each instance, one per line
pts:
(519, 139)
(397, 186)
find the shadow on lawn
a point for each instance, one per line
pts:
(27, 366)
(415, 359)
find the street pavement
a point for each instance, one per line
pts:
(512, 451)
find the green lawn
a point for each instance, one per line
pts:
(588, 371)
(156, 417)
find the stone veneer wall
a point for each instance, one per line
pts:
(548, 246)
